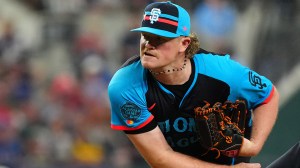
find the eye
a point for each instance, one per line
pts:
(160, 40)
(155, 40)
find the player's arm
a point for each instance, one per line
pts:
(156, 151)
(263, 121)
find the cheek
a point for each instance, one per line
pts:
(168, 51)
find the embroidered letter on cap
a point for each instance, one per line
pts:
(155, 12)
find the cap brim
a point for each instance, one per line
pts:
(162, 33)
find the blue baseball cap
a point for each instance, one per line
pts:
(165, 19)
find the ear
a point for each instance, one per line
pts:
(184, 43)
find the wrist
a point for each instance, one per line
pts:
(248, 148)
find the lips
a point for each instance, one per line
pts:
(148, 54)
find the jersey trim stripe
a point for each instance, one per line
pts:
(270, 96)
(120, 127)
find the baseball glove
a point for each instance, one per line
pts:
(220, 128)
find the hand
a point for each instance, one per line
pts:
(247, 165)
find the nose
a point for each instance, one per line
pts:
(148, 45)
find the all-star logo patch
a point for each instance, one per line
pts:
(155, 12)
(131, 112)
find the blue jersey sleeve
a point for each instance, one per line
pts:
(248, 84)
(244, 83)
(126, 92)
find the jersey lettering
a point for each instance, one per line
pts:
(180, 125)
(183, 142)
(164, 126)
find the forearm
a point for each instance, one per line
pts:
(156, 151)
(173, 159)
(263, 122)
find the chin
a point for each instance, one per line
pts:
(146, 64)
(149, 62)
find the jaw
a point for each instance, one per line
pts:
(149, 62)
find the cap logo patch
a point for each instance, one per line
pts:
(155, 12)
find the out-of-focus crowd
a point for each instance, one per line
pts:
(54, 109)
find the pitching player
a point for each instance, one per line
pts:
(153, 96)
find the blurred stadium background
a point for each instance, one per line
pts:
(57, 57)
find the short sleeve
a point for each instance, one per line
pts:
(249, 85)
(128, 106)
(257, 89)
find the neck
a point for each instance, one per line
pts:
(168, 71)
(177, 77)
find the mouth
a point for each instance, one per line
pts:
(148, 54)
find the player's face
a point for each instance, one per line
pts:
(158, 52)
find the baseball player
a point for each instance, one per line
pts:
(153, 95)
